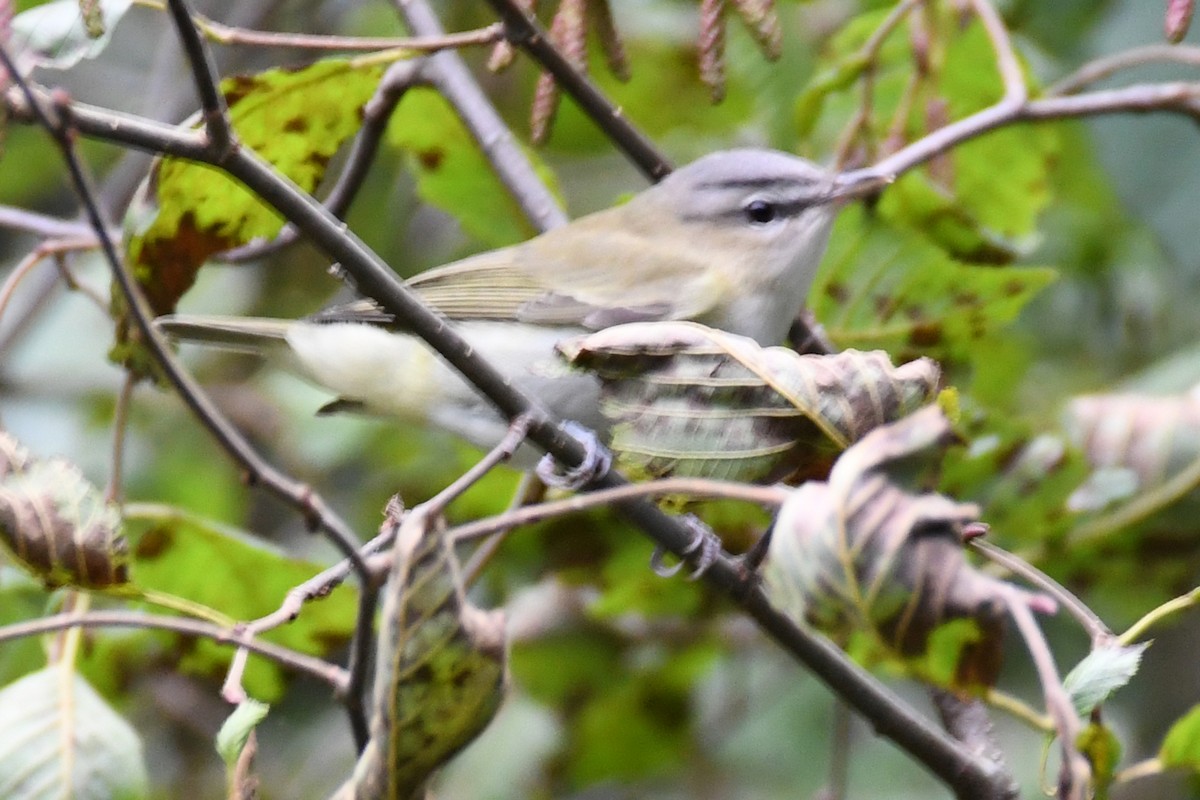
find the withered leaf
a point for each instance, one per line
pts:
(440, 670)
(869, 555)
(56, 524)
(691, 401)
(1134, 443)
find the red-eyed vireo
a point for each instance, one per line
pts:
(731, 240)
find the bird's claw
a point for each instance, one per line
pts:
(704, 542)
(596, 462)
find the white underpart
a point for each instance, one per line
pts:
(399, 375)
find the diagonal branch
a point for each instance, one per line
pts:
(204, 76)
(524, 31)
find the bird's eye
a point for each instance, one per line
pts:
(760, 212)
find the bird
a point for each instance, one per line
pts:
(731, 240)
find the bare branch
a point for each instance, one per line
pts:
(230, 35)
(1157, 615)
(331, 674)
(1102, 68)
(1073, 777)
(1178, 98)
(1091, 623)
(43, 225)
(692, 487)
(204, 76)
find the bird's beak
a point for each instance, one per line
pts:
(858, 183)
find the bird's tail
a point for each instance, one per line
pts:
(256, 335)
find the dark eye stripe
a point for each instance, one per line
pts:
(783, 210)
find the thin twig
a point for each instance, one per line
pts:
(868, 55)
(1142, 769)
(1007, 62)
(692, 487)
(1138, 629)
(530, 490)
(55, 248)
(1096, 630)
(524, 31)
(229, 35)
(43, 225)
(18, 274)
(518, 429)
(1102, 68)
(1073, 778)
(120, 430)
(223, 34)
(214, 110)
(331, 674)
(1175, 97)
(1018, 709)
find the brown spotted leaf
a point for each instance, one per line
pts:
(871, 559)
(688, 400)
(440, 669)
(56, 524)
(186, 212)
(887, 287)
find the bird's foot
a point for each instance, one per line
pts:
(704, 542)
(596, 462)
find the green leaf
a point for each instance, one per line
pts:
(452, 172)
(237, 729)
(830, 98)
(883, 287)
(999, 182)
(1103, 671)
(62, 740)
(1181, 747)
(240, 576)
